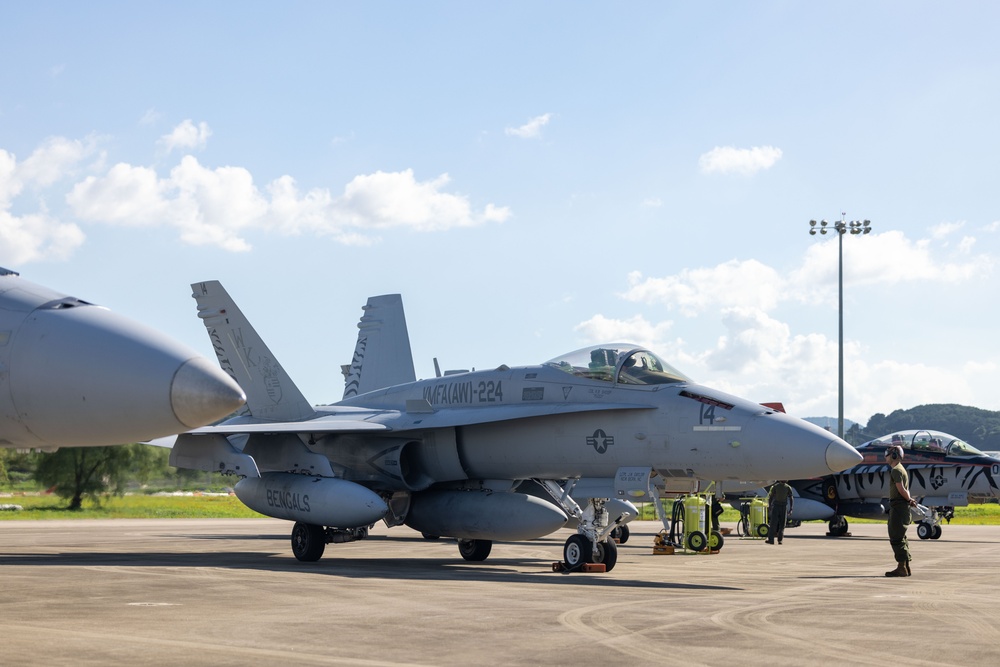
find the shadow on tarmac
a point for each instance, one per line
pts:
(417, 569)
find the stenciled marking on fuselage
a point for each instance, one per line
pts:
(287, 500)
(600, 441)
(466, 392)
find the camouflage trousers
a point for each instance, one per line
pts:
(899, 519)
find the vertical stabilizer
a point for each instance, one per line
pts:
(271, 394)
(382, 356)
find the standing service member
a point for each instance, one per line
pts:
(779, 506)
(900, 502)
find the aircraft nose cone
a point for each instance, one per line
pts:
(841, 456)
(201, 393)
(85, 375)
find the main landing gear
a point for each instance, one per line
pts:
(309, 540)
(838, 526)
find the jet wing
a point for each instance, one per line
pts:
(419, 416)
(327, 424)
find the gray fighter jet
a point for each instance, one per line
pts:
(76, 374)
(484, 455)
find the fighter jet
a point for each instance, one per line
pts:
(484, 455)
(76, 374)
(945, 472)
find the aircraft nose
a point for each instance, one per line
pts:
(841, 456)
(792, 448)
(201, 393)
(84, 375)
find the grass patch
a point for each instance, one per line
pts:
(130, 507)
(229, 507)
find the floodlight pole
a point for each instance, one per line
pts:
(841, 227)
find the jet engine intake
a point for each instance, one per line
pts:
(483, 515)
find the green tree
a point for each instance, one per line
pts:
(78, 472)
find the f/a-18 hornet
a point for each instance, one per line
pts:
(945, 472)
(73, 374)
(484, 455)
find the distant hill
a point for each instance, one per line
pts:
(980, 428)
(830, 423)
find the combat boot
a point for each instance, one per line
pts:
(900, 571)
(907, 566)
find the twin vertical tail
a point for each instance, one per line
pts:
(382, 356)
(271, 394)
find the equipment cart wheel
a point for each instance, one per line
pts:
(936, 533)
(715, 540)
(308, 541)
(762, 530)
(577, 551)
(924, 530)
(475, 550)
(697, 541)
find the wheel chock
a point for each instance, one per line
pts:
(664, 550)
(591, 568)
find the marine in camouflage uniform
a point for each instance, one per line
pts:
(900, 502)
(779, 505)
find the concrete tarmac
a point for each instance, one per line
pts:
(229, 592)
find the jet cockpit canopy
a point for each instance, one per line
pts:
(926, 441)
(620, 363)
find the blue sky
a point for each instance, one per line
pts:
(532, 177)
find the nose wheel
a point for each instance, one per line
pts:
(579, 550)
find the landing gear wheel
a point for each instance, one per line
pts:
(577, 551)
(924, 530)
(838, 526)
(621, 534)
(697, 541)
(607, 553)
(308, 541)
(475, 550)
(741, 528)
(715, 541)
(936, 533)
(762, 530)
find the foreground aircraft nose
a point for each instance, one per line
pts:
(83, 375)
(841, 456)
(784, 447)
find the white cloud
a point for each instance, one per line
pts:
(55, 159)
(745, 161)
(186, 136)
(737, 345)
(150, 117)
(218, 206)
(748, 283)
(888, 258)
(530, 130)
(36, 235)
(944, 229)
